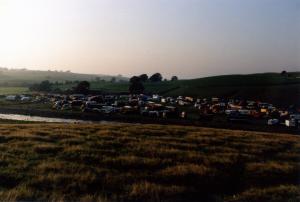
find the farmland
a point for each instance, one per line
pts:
(13, 90)
(134, 162)
(23, 77)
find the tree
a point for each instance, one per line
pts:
(136, 86)
(174, 78)
(57, 90)
(113, 80)
(44, 86)
(143, 77)
(134, 79)
(283, 73)
(157, 77)
(82, 87)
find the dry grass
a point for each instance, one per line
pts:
(123, 162)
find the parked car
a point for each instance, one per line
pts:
(25, 99)
(11, 98)
(272, 122)
(66, 107)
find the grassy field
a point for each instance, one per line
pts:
(13, 90)
(269, 87)
(125, 162)
(19, 77)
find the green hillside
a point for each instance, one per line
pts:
(270, 87)
(21, 77)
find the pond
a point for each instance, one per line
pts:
(19, 117)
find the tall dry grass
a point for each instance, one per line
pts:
(124, 162)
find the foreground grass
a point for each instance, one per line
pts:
(124, 162)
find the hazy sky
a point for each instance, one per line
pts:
(188, 38)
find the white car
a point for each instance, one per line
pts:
(109, 109)
(230, 111)
(25, 99)
(11, 98)
(292, 123)
(272, 122)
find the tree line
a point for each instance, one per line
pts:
(46, 86)
(136, 82)
(136, 85)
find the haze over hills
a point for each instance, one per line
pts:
(17, 77)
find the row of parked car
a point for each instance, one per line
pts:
(236, 109)
(175, 107)
(125, 104)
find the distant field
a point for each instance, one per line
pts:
(109, 87)
(13, 90)
(125, 162)
(18, 77)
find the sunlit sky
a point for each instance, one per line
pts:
(188, 38)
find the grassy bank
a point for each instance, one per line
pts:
(218, 121)
(128, 162)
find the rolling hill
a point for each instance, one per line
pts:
(268, 87)
(21, 77)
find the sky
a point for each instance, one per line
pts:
(187, 38)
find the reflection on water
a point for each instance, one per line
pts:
(19, 117)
